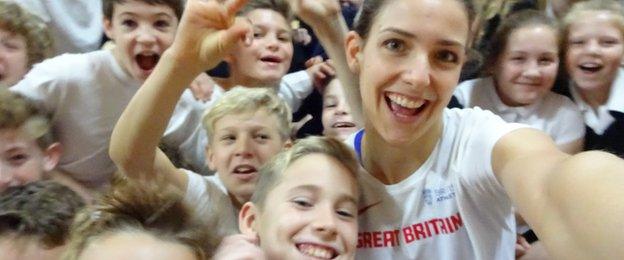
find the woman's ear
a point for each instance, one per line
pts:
(353, 46)
(248, 218)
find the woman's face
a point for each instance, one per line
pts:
(409, 66)
(593, 55)
(527, 68)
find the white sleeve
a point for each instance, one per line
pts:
(570, 122)
(294, 88)
(44, 85)
(186, 133)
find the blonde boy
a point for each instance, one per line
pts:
(245, 128)
(305, 206)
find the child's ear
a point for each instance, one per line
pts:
(248, 219)
(52, 155)
(210, 160)
(353, 45)
(108, 29)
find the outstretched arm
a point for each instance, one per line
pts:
(326, 20)
(207, 31)
(575, 203)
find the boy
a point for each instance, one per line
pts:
(245, 128)
(35, 220)
(28, 150)
(87, 103)
(305, 206)
(337, 119)
(24, 41)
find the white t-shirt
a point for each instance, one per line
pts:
(76, 26)
(452, 207)
(212, 206)
(86, 94)
(554, 114)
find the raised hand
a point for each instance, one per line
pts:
(313, 11)
(207, 31)
(239, 247)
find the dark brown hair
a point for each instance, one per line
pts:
(176, 5)
(42, 210)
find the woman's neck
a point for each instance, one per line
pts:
(393, 164)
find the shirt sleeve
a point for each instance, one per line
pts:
(294, 88)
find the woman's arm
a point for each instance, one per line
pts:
(326, 20)
(575, 203)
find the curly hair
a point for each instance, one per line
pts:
(17, 20)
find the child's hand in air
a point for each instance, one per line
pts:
(314, 11)
(208, 29)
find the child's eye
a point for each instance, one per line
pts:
(330, 105)
(394, 45)
(545, 61)
(302, 202)
(576, 42)
(284, 38)
(161, 24)
(345, 213)
(608, 42)
(128, 23)
(18, 159)
(447, 56)
(228, 138)
(262, 136)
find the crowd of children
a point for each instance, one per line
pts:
(140, 150)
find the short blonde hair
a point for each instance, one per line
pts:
(152, 207)
(242, 100)
(18, 112)
(38, 37)
(270, 174)
(609, 6)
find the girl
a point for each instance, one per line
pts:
(593, 59)
(440, 183)
(524, 60)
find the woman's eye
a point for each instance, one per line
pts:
(447, 56)
(394, 45)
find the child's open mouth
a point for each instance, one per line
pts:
(590, 67)
(244, 171)
(317, 251)
(271, 59)
(403, 106)
(147, 61)
(343, 125)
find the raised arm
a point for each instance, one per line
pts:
(326, 20)
(207, 31)
(575, 203)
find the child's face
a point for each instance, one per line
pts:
(337, 120)
(240, 145)
(135, 245)
(527, 68)
(311, 213)
(268, 58)
(21, 159)
(141, 32)
(593, 56)
(409, 66)
(13, 58)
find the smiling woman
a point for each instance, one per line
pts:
(428, 168)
